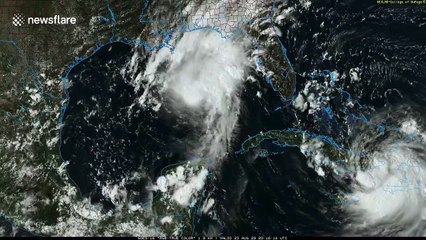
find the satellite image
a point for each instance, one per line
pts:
(212, 118)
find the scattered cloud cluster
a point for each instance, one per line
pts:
(182, 184)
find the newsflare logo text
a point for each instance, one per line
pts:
(18, 20)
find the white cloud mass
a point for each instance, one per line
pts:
(203, 74)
